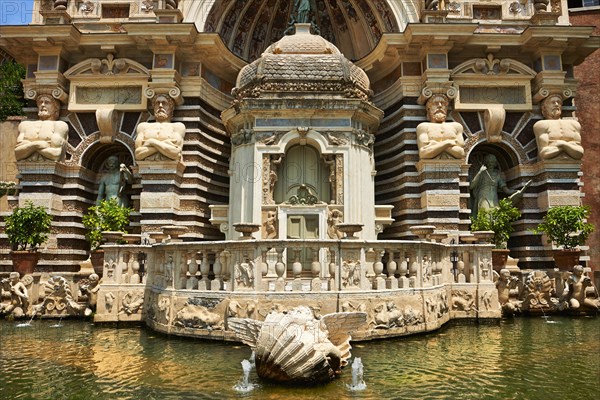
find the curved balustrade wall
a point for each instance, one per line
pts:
(192, 288)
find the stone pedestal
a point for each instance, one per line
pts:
(440, 192)
(50, 184)
(160, 193)
(558, 184)
(565, 190)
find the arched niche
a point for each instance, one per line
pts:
(506, 157)
(94, 161)
(248, 27)
(302, 165)
(95, 155)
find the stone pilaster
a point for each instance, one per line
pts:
(440, 192)
(160, 193)
(560, 186)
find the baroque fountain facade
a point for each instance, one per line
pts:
(319, 182)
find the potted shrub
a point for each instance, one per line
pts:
(106, 216)
(566, 227)
(27, 228)
(499, 220)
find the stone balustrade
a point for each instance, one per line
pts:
(193, 288)
(295, 265)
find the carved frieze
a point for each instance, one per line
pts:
(339, 178)
(199, 317)
(364, 139)
(351, 270)
(243, 136)
(269, 138)
(348, 90)
(132, 303)
(336, 138)
(244, 274)
(387, 316)
(463, 300)
(488, 81)
(114, 82)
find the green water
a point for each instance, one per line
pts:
(515, 359)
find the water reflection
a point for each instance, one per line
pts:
(516, 359)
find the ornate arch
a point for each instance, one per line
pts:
(248, 27)
(91, 153)
(507, 151)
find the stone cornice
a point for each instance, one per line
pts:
(162, 34)
(18, 41)
(573, 43)
(210, 49)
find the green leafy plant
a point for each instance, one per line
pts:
(566, 226)
(28, 227)
(106, 216)
(498, 219)
(11, 89)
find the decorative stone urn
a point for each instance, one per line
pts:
(132, 238)
(246, 229)
(484, 236)
(422, 231)
(467, 238)
(111, 237)
(438, 236)
(157, 236)
(174, 231)
(349, 229)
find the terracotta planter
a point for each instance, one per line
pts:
(24, 261)
(565, 260)
(499, 258)
(97, 258)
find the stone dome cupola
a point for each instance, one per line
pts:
(299, 65)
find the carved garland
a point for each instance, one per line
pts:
(269, 176)
(255, 90)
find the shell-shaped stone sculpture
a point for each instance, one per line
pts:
(297, 347)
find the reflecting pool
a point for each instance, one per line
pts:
(535, 358)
